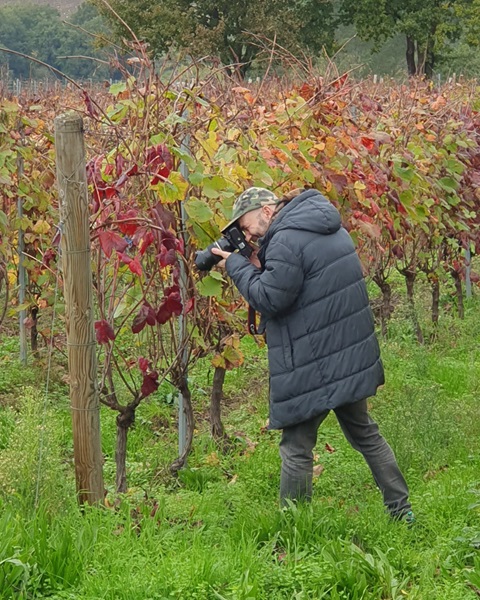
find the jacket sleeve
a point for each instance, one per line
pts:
(273, 290)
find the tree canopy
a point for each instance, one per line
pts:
(38, 31)
(429, 26)
(228, 29)
(435, 35)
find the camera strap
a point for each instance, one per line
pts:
(252, 321)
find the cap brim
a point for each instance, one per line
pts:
(229, 225)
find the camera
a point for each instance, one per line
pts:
(232, 239)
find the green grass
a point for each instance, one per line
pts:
(217, 531)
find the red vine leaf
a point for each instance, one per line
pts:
(133, 170)
(135, 266)
(104, 332)
(174, 304)
(166, 257)
(48, 256)
(149, 384)
(119, 164)
(109, 240)
(143, 364)
(163, 313)
(164, 217)
(189, 306)
(146, 316)
(146, 241)
(91, 110)
(129, 226)
(158, 161)
(124, 258)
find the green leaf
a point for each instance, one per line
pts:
(209, 286)
(406, 197)
(226, 154)
(198, 210)
(265, 178)
(117, 88)
(195, 178)
(448, 184)
(3, 222)
(453, 200)
(5, 177)
(212, 187)
(9, 107)
(406, 174)
(455, 165)
(216, 275)
(186, 157)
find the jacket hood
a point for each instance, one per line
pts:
(309, 211)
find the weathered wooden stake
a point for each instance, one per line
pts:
(77, 277)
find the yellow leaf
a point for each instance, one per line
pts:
(218, 361)
(41, 226)
(240, 171)
(212, 460)
(240, 90)
(330, 147)
(233, 134)
(210, 144)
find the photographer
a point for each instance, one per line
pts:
(307, 284)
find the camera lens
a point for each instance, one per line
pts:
(205, 260)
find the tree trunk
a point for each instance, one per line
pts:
(429, 62)
(386, 309)
(34, 331)
(458, 292)
(410, 54)
(187, 404)
(124, 421)
(216, 425)
(426, 60)
(410, 281)
(435, 300)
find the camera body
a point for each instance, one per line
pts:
(232, 239)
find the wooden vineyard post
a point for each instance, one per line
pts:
(77, 278)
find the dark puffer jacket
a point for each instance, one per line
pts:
(322, 349)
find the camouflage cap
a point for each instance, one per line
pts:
(251, 199)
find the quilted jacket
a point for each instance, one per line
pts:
(311, 294)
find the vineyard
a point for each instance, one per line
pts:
(167, 154)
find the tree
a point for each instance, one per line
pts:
(33, 30)
(428, 26)
(222, 28)
(39, 32)
(76, 43)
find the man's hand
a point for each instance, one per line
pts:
(223, 254)
(254, 259)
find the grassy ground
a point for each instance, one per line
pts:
(217, 532)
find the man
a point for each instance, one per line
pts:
(307, 284)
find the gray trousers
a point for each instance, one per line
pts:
(296, 451)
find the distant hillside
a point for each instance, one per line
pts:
(65, 7)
